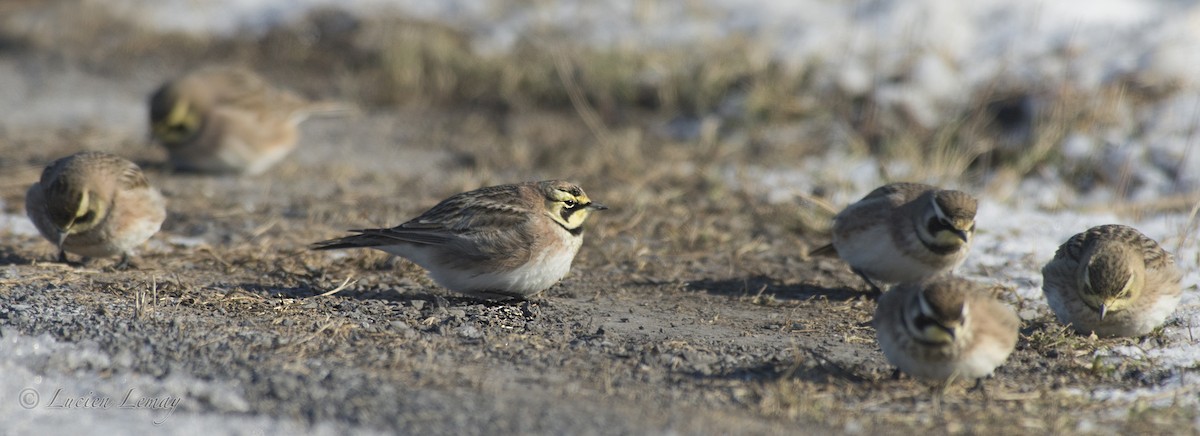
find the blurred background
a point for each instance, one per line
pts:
(1042, 102)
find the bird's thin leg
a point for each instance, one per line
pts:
(982, 390)
(62, 256)
(874, 288)
(124, 263)
(938, 391)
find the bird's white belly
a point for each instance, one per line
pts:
(982, 360)
(978, 363)
(875, 254)
(537, 275)
(1125, 323)
(540, 273)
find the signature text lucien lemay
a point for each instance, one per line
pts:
(131, 400)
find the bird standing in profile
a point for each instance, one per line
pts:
(95, 204)
(1112, 280)
(904, 232)
(229, 120)
(499, 242)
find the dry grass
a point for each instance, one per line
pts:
(622, 94)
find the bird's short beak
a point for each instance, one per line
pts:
(597, 206)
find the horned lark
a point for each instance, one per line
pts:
(1112, 280)
(223, 119)
(96, 205)
(904, 232)
(945, 329)
(507, 241)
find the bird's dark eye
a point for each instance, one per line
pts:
(569, 203)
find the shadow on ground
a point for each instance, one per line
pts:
(767, 286)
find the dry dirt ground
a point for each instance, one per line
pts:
(690, 309)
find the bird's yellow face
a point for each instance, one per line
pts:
(1107, 286)
(951, 220)
(173, 119)
(953, 232)
(568, 205)
(87, 212)
(939, 334)
(937, 321)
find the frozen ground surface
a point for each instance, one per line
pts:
(81, 400)
(923, 57)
